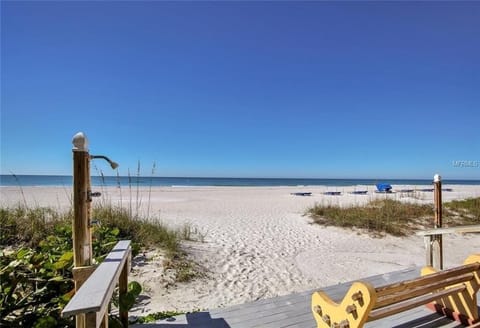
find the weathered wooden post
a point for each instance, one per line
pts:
(437, 245)
(82, 239)
(82, 236)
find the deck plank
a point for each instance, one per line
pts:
(293, 311)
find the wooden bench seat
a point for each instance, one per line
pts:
(451, 292)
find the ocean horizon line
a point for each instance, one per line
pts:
(64, 180)
(233, 177)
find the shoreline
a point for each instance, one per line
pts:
(255, 242)
(60, 196)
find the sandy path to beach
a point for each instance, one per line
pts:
(255, 242)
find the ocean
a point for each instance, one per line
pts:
(62, 180)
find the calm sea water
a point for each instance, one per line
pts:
(59, 180)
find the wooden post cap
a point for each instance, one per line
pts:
(80, 142)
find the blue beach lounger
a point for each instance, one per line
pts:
(384, 187)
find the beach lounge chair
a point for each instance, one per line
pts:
(384, 188)
(301, 193)
(427, 190)
(332, 193)
(359, 192)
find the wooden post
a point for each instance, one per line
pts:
(122, 291)
(437, 247)
(428, 241)
(82, 245)
(81, 231)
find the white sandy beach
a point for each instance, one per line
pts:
(255, 242)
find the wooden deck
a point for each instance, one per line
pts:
(294, 311)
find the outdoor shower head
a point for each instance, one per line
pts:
(113, 164)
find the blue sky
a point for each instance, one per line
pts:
(252, 89)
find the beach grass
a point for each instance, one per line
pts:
(379, 217)
(30, 225)
(387, 216)
(22, 226)
(147, 231)
(466, 211)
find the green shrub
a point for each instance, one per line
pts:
(36, 259)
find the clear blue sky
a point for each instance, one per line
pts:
(252, 89)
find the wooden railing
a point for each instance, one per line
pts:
(433, 253)
(93, 298)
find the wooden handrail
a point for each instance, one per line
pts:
(94, 296)
(442, 231)
(432, 249)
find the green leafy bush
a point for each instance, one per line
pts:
(35, 284)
